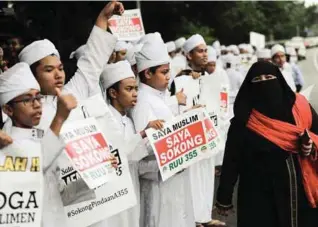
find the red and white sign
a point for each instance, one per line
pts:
(129, 26)
(189, 138)
(88, 151)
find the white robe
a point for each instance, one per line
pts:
(130, 217)
(168, 203)
(288, 75)
(201, 178)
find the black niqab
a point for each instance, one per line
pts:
(273, 98)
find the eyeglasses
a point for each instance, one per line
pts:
(30, 100)
(263, 78)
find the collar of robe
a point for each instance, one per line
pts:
(123, 119)
(148, 89)
(22, 133)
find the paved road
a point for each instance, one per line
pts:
(309, 67)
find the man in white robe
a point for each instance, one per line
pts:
(279, 58)
(163, 203)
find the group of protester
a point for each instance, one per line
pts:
(269, 128)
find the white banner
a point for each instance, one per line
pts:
(21, 185)
(187, 139)
(129, 26)
(257, 39)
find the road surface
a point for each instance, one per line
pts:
(309, 67)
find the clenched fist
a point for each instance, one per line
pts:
(5, 140)
(181, 97)
(112, 8)
(65, 104)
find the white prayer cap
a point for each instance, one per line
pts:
(130, 54)
(211, 54)
(277, 48)
(242, 46)
(79, 52)
(180, 42)
(150, 37)
(153, 53)
(223, 47)
(116, 72)
(263, 53)
(16, 81)
(121, 45)
(193, 42)
(234, 49)
(171, 46)
(291, 51)
(37, 50)
(216, 44)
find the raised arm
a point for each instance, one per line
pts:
(99, 48)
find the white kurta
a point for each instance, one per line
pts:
(130, 217)
(201, 178)
(48, 147)
(288, 75)
(168, 203)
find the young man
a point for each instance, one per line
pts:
(166, 203)
(47, 67)
(21, 100)
(278, 55)
(201, 173)
(121, 50)
(121, 87)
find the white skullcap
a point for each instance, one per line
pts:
(216, 44)
(242, 46)
(153, 53)
(171, 46)
(249, 49)
(16, 81)
(223, 47)
(291, 51)
(211, 54)
(193, 42)
(116, 72)
(37, 50)
(121, 45)
(263, 53)
(277, 48)
(150, 37)
(130, 54)
(79, 52)
(180, 42)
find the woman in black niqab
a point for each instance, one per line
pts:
(270, 190)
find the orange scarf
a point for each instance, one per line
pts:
(286, 136)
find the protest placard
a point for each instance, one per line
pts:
(21, 186)
(187, 139)
(88, 151)
(84, 206)
(128, 27)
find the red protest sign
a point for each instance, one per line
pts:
(180, 142)
(210, 130)
(88, 152)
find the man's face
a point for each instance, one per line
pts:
(210, 67)
(112, 58)
(121, 55)
(279, 59)
(160, 79)
(25, 110)
(14, 45)
(50, 75)
(199, 56)
(127, 92)
(172, 54)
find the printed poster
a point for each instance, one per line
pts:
(88, 151)
(189, 138)
(84, 206)
(21, 182)
(129, 26)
